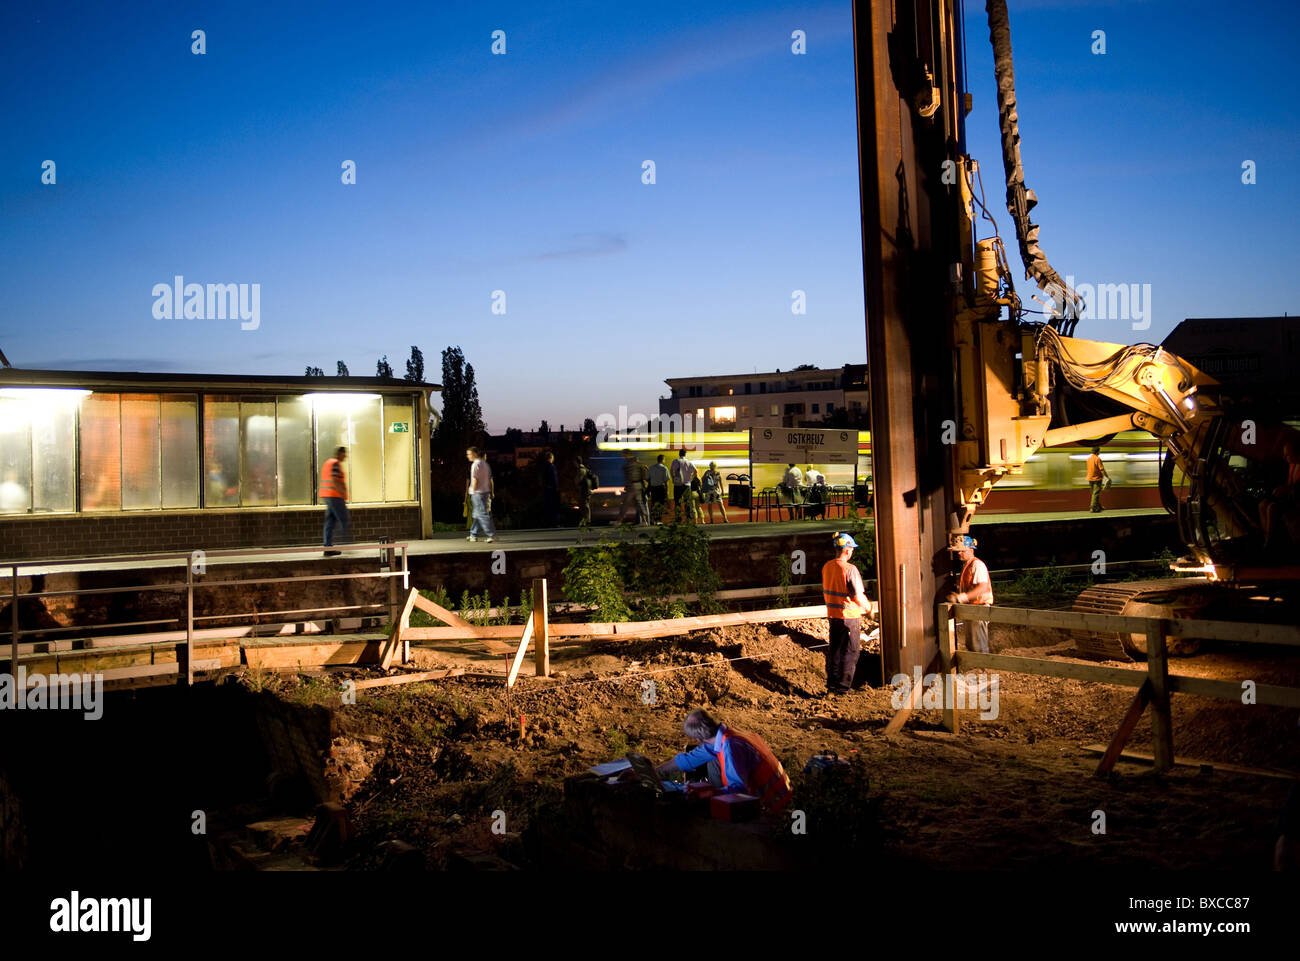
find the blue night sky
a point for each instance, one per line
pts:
(522, 173)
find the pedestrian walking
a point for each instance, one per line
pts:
(481, 488)
(334, 495)
(1098, 479)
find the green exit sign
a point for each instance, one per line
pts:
(399, 427)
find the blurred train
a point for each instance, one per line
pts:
(1053, 479)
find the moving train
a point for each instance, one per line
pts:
(1053, 480)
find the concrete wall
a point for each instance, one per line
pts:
(88, 535)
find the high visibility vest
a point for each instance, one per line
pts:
(967, 580)
(767, 780)
(332, 483)
(836, 589)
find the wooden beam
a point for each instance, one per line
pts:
(519, 654)
(395, 634)
(541, 637)
(913, 700)
(1270, 694)
(1131, 717)
(441, 613)
(1283, 634)
(408, 678)
(1121, 676)
(1162, 726)
(948, 665)
(1145, 758)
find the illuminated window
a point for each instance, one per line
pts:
(37, 427)
(101, 453)
(724, 413)
(352, 421)
(257, 470)
(220, 451)
(295, 483)
(399, 449)
(141, 464)
(179, 433)
(776, 410)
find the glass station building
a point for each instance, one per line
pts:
(105, 463)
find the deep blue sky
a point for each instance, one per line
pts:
(523, 173)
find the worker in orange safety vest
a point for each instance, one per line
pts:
(334, 495)
(735, 761)
(846, 602)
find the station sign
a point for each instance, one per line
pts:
(781, 445)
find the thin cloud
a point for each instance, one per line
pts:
(586, 245)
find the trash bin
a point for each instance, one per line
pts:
(739, 495)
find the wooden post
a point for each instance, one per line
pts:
(948, 666)
(394, 593)
(1126, 726)
(541, 633)
(1162, 733)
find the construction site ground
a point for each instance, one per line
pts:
(1015, 792)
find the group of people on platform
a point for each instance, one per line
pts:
(646, 491)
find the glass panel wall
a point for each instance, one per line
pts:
(221, 451)
(53, 415)
(141, 467)
(353, 421)
(15, 456)
(101, 453)
(294, 472)
(180, 450)
(399, 449)
(257, 474)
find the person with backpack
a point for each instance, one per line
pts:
(711, 491)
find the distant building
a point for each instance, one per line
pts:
(805, 397)
(1256, 358)
(122, 462)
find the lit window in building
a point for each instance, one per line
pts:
(221, 451)
(179, 430)
(776, 409)
(724, 414)
(295, 477)
(101, 452)
(399, 450)
(352, 421)
(37, 473)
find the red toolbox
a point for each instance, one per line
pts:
(734, 807)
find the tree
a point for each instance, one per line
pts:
(462, 416)
(415, 366)
(384, 368)
(545, 429)
(589, 427)
(314, 372)
(343, 369)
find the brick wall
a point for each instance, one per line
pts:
(86, 535)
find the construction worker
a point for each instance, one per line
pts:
(334, 495)
(846, 602)
(1097, 477)
(734, 760)
(973, 587)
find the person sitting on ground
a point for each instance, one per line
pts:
(735, 761)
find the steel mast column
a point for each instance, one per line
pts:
(907, 63)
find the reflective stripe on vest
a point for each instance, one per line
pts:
(332, 485)
(835, 590)
(768, 781)
(722, 759)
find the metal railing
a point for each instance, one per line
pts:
(195, 562)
